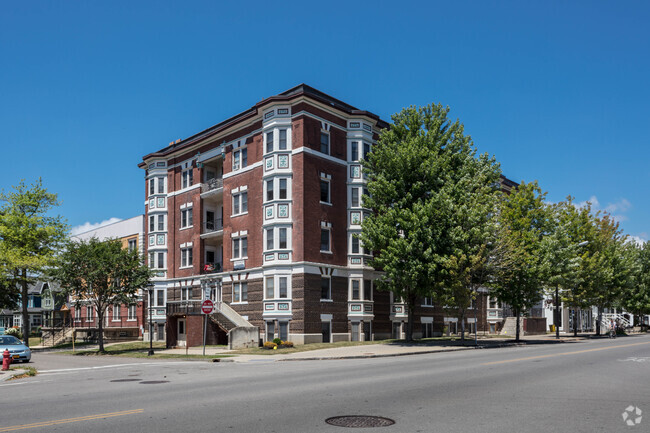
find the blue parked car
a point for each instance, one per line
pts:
(16, 348)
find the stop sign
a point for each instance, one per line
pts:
(207, 307)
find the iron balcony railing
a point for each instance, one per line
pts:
(212, 184)
(213, 226)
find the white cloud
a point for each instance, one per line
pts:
(595, 204)
(92, 226)
(621, 206)
(637, 240)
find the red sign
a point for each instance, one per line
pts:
(207, 307)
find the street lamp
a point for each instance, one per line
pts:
(557, 301)
(150, 289)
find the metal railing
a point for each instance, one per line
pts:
(213, 226)
(212, 184)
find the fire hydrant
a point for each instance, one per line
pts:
(6, 360)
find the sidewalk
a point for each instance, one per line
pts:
(377, 350)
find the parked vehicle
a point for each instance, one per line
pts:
(16, 348)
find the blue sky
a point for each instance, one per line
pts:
(556, 90)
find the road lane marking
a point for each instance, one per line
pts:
(69, 420)
(100, 367)
(563, 354)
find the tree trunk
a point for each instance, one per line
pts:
(409, 323)
(462, 327)
(100, 337)
(25, 302)
(575, 322)
(600, 317)
(517, 315)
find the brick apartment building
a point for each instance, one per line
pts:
(260, 213)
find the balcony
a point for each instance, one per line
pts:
(212, 228)
(212, 188)
(212, 268)
(184, 307)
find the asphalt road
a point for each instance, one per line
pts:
(577, 387)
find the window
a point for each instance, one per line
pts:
(326, 330)
(427, 301)
(161, 260)
(161, 223)
(239, 158)
(270, 287)
(270, 331)
(269, 141)
(240, 292)
(283, 287)
(324, 191)
(355, 245)
(366, 151)
(269, 190)
(160, 298)
(283, 189)
(186, 293)
(116, 312)
(325, 143)
(187, 178)
(354, 151)
(367, 290)
(186, 257)
(355, 290)
(283, 139)
(354, 197)
(152, 223)
(152, 260)
(283, 238)
(131, 312)
(239, 248)
(161, 185)
(240, 203)
(325, 240)
(325, 288)
(427, 330)
(284, 331)
(133, 243)
(152, 186)
(269, 239)
(89, 313)
(186, 218)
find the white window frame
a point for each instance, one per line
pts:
(187, 218)
(329, 190)
(239, 241)
(187, 178)
(275, 281)
(240, 158)
(187, 257)
(359, 281)
(186, 293)
(116, 313)
(322, 134)
(161, 185)
(238, 292)
(90, 313)
(131, 315)
(352, 146)
(238, 199)
(275, 233)
(329, 242)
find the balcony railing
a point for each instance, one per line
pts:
(183, 307)
(212, 184)
(213, 226)
(210, 268)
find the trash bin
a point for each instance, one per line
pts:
(552, 327)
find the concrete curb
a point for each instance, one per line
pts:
(6, 375)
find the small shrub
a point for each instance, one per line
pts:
(270, 345)
(277, 341)
(286, 344)
(15, 331)
(35, 331)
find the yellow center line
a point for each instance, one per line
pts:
(69, 420)
(563, 353)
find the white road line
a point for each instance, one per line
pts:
(99, 367)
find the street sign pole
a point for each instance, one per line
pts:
(207, 307)
(205, 326)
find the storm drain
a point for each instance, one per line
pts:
(153, 382)
(126, 380)
(354, 421)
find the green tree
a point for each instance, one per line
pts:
(29, 239)
(523, 223)
(636, 296)
(101, 274)
(424, 182)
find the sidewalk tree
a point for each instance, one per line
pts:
(523, 222)
(29, 240)
(424, 181)
(636, 298)
(101, 273)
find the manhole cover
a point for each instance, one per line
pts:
(126, 380)
(153, 382)
(359, 421)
